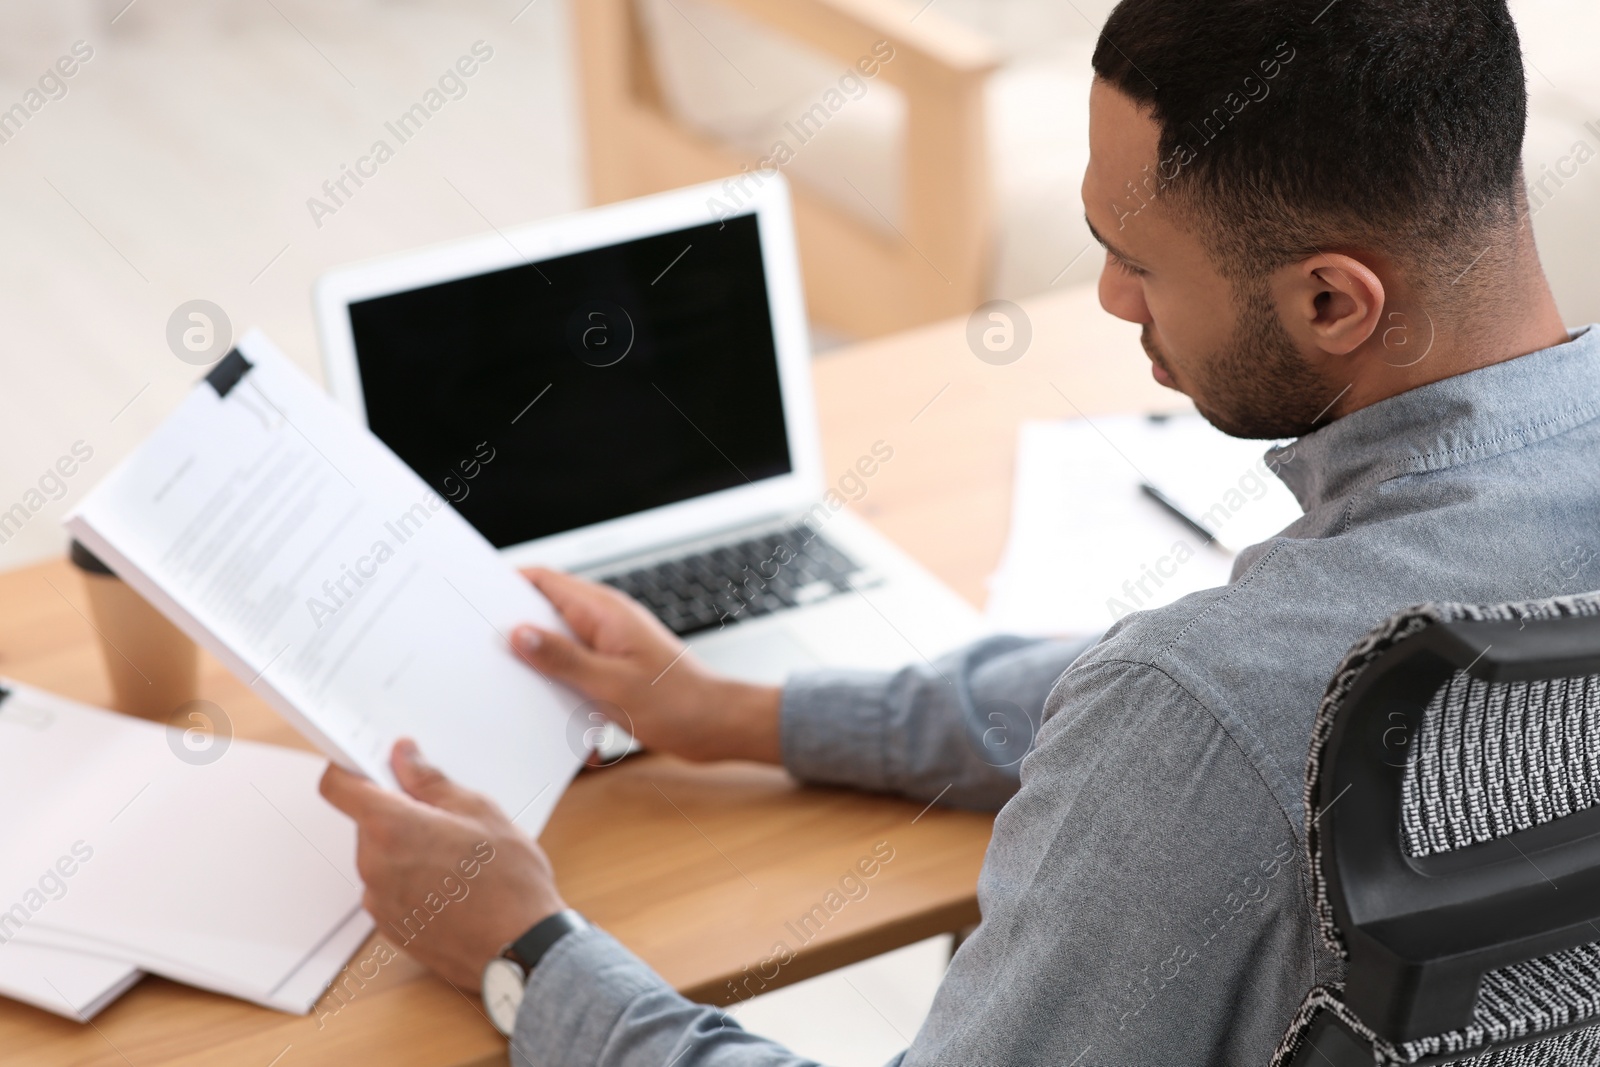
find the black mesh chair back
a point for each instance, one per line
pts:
(1453, 838)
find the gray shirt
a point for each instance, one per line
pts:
(1144, 896)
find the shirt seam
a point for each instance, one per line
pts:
(1244, 580)
(1526, 435)
(1124, 665)
(1578, 416)
(1288, 819)
(1296, 834)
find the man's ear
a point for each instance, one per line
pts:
(1332, 301)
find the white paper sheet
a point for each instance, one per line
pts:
(293, 544)
(233, 875)
(73, 984)
(300, 991)
(296, 994)
(1223, 483)
(1087, 546)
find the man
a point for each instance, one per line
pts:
(1315, 211)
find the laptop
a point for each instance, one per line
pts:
(625, 393)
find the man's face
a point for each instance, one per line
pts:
(1222, 344)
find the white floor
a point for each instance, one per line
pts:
(857, 1016)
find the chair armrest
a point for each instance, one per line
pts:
(942, 68)
(929, 47)
(936, 261)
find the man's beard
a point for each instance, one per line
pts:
(1258, 385)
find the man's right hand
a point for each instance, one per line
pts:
(624, 656)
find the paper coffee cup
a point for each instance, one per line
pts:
(154, 668)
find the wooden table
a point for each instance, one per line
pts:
(696, 868)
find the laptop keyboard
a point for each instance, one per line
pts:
(726, 585)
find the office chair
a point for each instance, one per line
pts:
(1453, 837)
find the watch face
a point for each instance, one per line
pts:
(502, 993)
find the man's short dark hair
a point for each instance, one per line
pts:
(1291, 125)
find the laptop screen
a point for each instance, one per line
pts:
(555, 394)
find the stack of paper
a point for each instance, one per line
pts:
(122, 852)
(1089, 544)
(74, 984)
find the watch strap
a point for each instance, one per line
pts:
(531, 947)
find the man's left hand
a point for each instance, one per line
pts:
(446, 873)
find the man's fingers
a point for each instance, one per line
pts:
(581, 604)
(559, 657)
(427, 783)
(356, 795)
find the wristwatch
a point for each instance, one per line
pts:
(506, 976)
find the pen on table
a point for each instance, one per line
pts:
(1178, 513)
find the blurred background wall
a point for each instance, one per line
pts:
(183, 157)
(179, 163)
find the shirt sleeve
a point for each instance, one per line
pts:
(955, 728)
(1143, 902)
(1143, 898)
(591, 1001)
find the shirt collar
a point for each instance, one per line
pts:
(1456, 420)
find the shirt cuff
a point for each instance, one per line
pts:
(575, 997)
(832, 728)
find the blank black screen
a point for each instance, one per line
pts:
(512, 365)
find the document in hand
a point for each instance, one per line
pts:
(289, 541)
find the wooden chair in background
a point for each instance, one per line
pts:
(861, 279)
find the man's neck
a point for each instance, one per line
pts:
(1417, 348)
